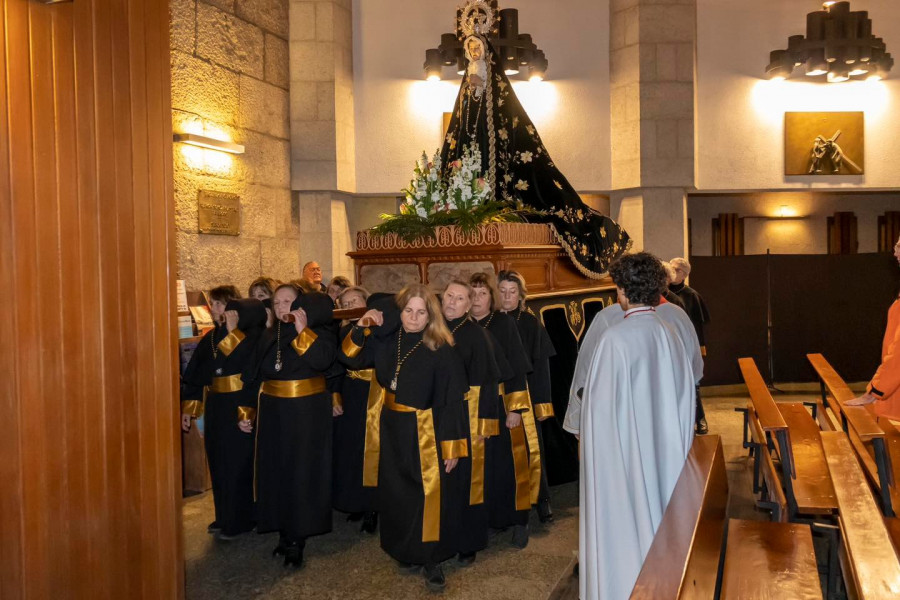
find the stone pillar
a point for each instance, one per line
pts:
(323, 172)
(652, 47)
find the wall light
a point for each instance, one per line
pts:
(209, 143)
(838, 44)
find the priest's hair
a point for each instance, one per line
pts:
(682, 264)
(436, 332)
(641, 276)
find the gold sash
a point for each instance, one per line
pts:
(514, 401)
(534, 450)
(476, 489)
(297, 388)
(372, 451)
(226, 384)
(430, 465)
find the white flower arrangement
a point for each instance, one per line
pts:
(464, 189)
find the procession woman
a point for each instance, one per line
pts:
(539, 348)
(358, 388)
(213, 375)
(513, 477)
(473, 346)
(422, 431)
(293, 438)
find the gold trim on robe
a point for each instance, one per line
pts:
(454, 449)
(372, 448)
(246, 413)
(194, 408)
(488, 427)
(520, 464)
(337, 400)
(297, 388)
(534, 450)
(226, 384)
(476, 488)
(517, 401)
(431, 476)
(231, 341)
(349, 347)
(543, 410)
(304, 340)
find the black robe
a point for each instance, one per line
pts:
(509, 477)
(474, 348)
(294, 435)
(556, 446)
(695, 308)
(524, 173)
(229, 451)
(349, 493)
(673, 298)
(434, 384)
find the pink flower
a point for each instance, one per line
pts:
(431, 165)
(481, 183)
(456, 164)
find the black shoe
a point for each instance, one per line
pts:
(280, 549)
(354, 517)
(545, 514)
(293, 554)
(226, 537)
(520, 536)
(702, 427)
(213, 527)
(466, 558)
(434, 578)
(369, 522)
(495, 531)
(575, 570)
(408, 568)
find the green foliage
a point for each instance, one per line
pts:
(410, 226)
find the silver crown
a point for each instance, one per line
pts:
(476, 18)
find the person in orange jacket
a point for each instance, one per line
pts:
(885, 385)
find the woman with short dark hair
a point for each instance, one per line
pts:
(539, 348)
(514, 464)
(212, 384)
(293, 441)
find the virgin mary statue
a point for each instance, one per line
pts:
(488, 114)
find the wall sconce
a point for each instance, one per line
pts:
(515, 51)
(838, 44)
(209, 143)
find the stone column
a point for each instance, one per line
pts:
(652, 48)
(323, 174)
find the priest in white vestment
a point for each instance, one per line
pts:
(612, 315)
(637, 425)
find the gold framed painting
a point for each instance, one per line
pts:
(824, 143)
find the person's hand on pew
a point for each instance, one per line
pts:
(862, 400)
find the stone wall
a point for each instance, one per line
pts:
(230, 80)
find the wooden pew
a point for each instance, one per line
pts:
(772, 497)
(868, 559)
(769, 560)
(868, 438)
(683, 561)
(805, 475)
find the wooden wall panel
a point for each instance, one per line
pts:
(90, 501)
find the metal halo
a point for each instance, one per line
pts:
(476, 18)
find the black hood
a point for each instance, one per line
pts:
(251, 313)
(319, 308)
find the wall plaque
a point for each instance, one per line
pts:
(219, 213)
(824, 143)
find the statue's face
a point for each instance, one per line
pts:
(474, 50)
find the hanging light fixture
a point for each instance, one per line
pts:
(839, 44)
(516, 52)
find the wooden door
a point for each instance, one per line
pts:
(89, 474)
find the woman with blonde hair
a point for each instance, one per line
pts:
(422, 429)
